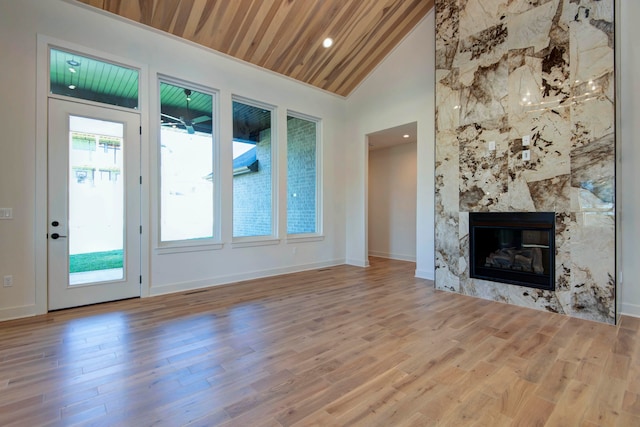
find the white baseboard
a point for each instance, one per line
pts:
(426, 274)
(357, 262)
(393, 256)
(630, 310)
(11, 313)
(225, 280)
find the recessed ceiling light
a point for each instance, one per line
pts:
(328, 42)
(73, 63)
(405, 136)
(72, 87)
(72, 70)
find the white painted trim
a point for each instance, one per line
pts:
(426, 274)
(319, 232)
(207, 243)
(43, 43)
(253, 243)
(630, 309)
(398, 257)
(176, 249)
(11, 313)
(357, 262)
(225, 280)
(303, 238)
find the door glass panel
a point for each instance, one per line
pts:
(96, 201)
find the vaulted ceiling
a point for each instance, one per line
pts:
(285, 36)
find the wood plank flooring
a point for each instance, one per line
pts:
(340, 346)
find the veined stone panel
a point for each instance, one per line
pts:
(544, 68)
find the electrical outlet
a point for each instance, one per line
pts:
(526, 140)
(8, 281)
(492, 145)
(526, 155)
(6, 213)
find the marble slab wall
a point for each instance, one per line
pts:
(543, 68)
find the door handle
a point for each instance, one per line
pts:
(55, 236)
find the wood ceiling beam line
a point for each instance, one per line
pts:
(339, 30)
(360, 25)
(205, 16)
(164, 15)
(359, 22)
(245, 24)
(226, 24)
(266, 36)
(363, 48)
(260, 36)
(354, 79)
(386, 35)
(285, 34)
(146, 11)
(313, 51)
(237, 23)
(182, 17)
(307, 33)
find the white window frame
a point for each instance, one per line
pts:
(201, 244)
(319, 233)
(43, 45)
(272, 238)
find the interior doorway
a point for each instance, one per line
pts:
(392, 192)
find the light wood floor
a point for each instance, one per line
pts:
(340, 346)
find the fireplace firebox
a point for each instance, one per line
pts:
(513, 247)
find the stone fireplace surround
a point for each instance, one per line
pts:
(511, 69)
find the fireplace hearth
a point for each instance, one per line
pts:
(513, 247)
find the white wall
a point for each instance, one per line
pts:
(630, 132)
(399, 91)
(23, 150)
(392, 202)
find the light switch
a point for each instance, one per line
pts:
(526, 155)
(526, 140)
(6, 213)
(492, 145)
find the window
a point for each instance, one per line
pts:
(186, 163)
(82, 77)
(252, 165)
(302, 183)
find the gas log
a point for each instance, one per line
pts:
(525, 259)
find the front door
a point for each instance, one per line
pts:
(94, 204)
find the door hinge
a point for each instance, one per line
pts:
(140, 179)
(140, 130)
(140, 279)
(140, 229)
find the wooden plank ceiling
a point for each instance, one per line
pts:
(286, 36)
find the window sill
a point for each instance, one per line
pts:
(304, 238)
(188, 247)
(251, 242)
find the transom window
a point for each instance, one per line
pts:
(82, 77)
